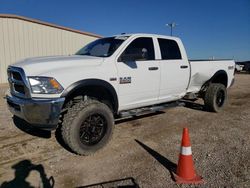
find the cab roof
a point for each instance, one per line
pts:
(146, 35)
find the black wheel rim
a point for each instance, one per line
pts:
(93, 129)
(220, 97)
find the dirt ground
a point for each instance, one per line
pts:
(144, 150)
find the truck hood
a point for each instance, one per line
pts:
(41, 65)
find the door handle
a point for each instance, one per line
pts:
(153, 68)
(184, 66)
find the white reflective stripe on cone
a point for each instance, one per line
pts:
(186, 150)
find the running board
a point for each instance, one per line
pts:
(150, 109)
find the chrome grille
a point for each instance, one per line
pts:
(18, 84)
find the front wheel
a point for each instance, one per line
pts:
(215, 97)
(87, 126)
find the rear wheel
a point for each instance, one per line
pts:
(87, 126)
(215, 97)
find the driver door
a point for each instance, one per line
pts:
(139, 74)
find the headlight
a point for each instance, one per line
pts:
(45, 85)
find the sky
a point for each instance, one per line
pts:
(208, 28)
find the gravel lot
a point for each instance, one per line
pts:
(143, 151)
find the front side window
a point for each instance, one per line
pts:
(169, 49)
(104, 47)
(143, 46)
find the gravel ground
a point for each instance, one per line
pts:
(144, 150)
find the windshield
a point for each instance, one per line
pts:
(104, 47)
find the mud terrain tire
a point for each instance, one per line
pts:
(215, 97)
(87, 126)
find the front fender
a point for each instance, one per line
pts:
(92, 82)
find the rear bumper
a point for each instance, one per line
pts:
(42, 113)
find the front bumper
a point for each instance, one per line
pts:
(42, 113)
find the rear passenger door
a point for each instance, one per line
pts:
(174, 71)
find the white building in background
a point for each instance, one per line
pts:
(22, 37)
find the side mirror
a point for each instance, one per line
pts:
(130, 57)
(133, 55)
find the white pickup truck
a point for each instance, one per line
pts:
(109, 78)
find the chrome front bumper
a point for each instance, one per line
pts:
(43, 113)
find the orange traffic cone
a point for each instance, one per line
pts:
(185, 172)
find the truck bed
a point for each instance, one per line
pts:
(203, 70)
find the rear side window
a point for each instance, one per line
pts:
(169, 49)
(142, 45)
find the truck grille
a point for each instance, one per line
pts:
(16, 76)
(18, 83)
(19, 89)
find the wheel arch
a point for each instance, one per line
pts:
(220, 77)
(105, 90)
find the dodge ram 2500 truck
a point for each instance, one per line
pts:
(112, 77)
